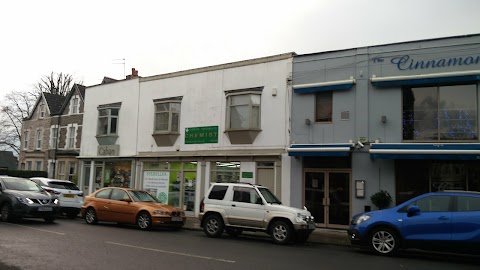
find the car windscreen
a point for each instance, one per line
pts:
(21, 185)
(142, 196)
(269, 196)
(62, 185)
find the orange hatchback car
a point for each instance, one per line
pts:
(130, 206)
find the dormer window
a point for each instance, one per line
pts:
(42, 110)
(74, 106)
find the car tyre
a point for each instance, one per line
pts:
(91, 216)
(281, 232)
(234, 231)
(6, 213)
(144, 221)
(384, 241)
(213, 226)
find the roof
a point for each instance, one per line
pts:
(76, 87)
(54, 102)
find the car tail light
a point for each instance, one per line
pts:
(202, 206)
(51, 191)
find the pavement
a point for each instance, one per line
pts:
(319, 235)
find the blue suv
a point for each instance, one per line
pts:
(439, 221)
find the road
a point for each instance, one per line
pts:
(72, 244)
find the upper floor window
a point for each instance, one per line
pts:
(107, 121)
(25, 139)
(42, 110)
(440, 113)
(323, 106)
(167, 116)
(74, 106)
(53, 136)
(72, 132)
(38, 136)
(243, 110)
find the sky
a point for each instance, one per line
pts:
(90, 39)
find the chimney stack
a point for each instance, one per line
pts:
(133, 75)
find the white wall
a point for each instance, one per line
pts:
(125, 92)
(204, 104)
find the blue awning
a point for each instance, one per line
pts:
(323, 86)
(434, 151)
(427, 79)
(320, 150)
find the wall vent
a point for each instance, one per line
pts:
(345, 115)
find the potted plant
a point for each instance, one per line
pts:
(381, 199)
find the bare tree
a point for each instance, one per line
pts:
(55, 83)
(15, 106)
(18, 104)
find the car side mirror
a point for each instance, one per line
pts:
(259, 201)
(413, 210)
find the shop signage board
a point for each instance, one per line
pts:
(199, 135)
(108, 150)
(156, 183)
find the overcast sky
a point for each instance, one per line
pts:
(83, 38)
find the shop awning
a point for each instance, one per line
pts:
(320, 150)
(439, 151)
(427, 79)
(323, 86)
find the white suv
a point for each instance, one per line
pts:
(69, 195)
(235, 207)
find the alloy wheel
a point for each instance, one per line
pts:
(91, 216)
(383, 242)
(280, 232)
(5, 213)
(144, 221)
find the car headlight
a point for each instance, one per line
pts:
(303, 218)
(24, 200)
(361, 219)
(161, 212)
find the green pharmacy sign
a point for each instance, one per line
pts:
(198, 135)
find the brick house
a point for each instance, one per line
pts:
(51, 135)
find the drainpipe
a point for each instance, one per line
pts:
(56, 147)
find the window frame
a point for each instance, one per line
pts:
(109, 118)
(72, 134)
(26, 133)
(438, 129)
(170, 115)
(330, 100)
(38, 138)
(41, 113)
(38, 165)
(75, 108)
(53, 137)
(229, 99)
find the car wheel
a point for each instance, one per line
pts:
(49, 219)
(281, 232)
(384, 241)
(6, 213)
(144, 221)
(234, 231)
(91, 216)
(213, 226)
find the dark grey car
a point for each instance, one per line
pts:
(21, 197)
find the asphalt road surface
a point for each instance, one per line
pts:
(72, 244)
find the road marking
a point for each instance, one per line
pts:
(38, 229)
(172, 252)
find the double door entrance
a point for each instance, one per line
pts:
(327, 197)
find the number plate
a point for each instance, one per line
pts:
(45, 208)
(312, 226)
(68, 195)
(176, 219)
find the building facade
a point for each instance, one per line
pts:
(174, 134)
(51, 135)
(400, 117)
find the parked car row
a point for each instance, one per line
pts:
(441, 221)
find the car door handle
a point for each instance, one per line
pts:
(443, 218)
(233, 205)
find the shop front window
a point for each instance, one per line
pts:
(117, 174)
(225, 172)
